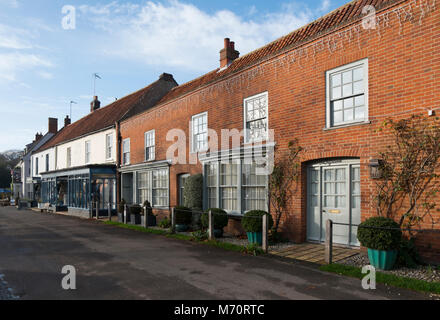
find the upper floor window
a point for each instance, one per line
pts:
(87, 152)
(109, 146)
(347, 94)
(150, 149)
(126, 151)
(199, 130)
(36, 165)
(69, 157)
(47, 162)
(255, 117)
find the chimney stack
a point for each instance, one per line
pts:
(53, 125)
(95, 104)
(38, 136)
(228, 54)
(67, 121)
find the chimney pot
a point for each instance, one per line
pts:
(95, 104)
(227, 43)
(67, 121)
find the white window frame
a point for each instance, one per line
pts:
(149, 189)
(153, 146)
(192, 141)
(240, 187)
(69, 157)
(246, 137)
(329, 124)
(124, 162)
(87, 152)
(109, 147)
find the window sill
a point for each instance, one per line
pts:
(348, 125)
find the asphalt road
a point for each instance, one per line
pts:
(115, 263)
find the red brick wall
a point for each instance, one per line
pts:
(404, 78)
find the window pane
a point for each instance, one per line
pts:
(336, 80)
(358, 74)
(336, 93)
(337, 117)
(358, 87)
(348, 103)
(360, 113)
(337, 105)
(348, 115)
(347, 77)
(348, 90)
(359, 101)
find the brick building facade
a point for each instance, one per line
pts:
(329, 84)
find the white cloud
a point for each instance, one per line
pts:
(181, 35)
(12, 63)
(13, 38)
(10, 3)
(325, 5)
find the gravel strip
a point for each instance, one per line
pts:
(426, 273)
(6, 292)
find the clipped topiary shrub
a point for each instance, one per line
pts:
(253, 221)
(121, 206)
(193, 191)
(220, 218)
(135, 209)
(183, 215)
(380, 239)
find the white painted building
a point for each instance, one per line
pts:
(78, 167)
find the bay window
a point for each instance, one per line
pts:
(236, 187)
(152, 185)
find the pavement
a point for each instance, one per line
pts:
(119, 264)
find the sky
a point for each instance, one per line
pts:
(49, 52)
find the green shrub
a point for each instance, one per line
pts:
(380, 239)
(183, 215)
(135, 209)
(220, 218)
(253, 221)
(200, 235)
(193, 191)
(408, 254)
(121, 206)
(165, 223)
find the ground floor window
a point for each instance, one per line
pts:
(104, 192)
(49, 191)
(236, 187)
(78, 192)
(152, 185)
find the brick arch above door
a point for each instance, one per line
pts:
(352, 153)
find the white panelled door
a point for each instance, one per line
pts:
(333, 192)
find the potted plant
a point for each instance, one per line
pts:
(135, 214)
(220, 218)
(252, 223)
(382, 237)
(183, 218)
(152, 222)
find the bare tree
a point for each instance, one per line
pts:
(285, 174)
(409, 166)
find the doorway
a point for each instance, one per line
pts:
(333, 192)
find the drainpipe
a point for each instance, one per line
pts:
(118, 163)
